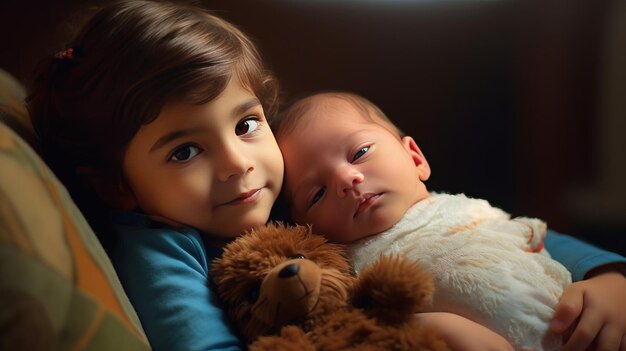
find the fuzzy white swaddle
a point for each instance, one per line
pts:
(486, 266)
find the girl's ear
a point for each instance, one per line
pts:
(115, 193)
(423, 169)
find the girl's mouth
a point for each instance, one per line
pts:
(245, 198)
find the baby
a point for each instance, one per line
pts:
(353, 175)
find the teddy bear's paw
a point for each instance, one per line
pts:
(291, 338)
(393, 288)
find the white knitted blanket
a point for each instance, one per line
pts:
(486, 266)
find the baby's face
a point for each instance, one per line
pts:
(349, 177)
(215, 167)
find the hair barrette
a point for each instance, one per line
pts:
(65, 54)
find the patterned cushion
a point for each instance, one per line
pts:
(58, 289)
(12, 111)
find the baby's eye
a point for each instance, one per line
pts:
(246, 126)
(184, 153)
(360, 153)
(318, 196)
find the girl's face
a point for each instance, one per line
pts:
(350, 177)
(215, 167)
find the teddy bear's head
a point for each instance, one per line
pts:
(276, 276)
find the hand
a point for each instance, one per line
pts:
(592, 313)
(462, 334)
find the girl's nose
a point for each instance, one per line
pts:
(347, 179)
(232, 161)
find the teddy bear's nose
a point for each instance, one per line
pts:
(289, 271)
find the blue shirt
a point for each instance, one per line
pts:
(165, 273)
(578, 256)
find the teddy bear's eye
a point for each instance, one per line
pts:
(296, 256)
(254, 293)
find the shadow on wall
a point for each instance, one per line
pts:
(508, 99)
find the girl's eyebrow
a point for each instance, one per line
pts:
(242, 108)
(165, 139)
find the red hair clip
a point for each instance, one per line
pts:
(65, 54)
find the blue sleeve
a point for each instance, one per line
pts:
(165, 275)
(578, 256)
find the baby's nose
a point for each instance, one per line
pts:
(347, 180)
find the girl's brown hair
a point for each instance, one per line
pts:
(130, 59)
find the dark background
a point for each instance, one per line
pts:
(507, 99)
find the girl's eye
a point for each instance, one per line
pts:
(246, 126)
(185, 153)
(318, 195)
(360, 153)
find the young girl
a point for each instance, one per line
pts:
(159, 109)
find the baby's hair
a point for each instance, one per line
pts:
(129, 60)
(293, 114)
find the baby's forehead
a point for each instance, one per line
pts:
(336, 102)
(343, 105)
(334, 107)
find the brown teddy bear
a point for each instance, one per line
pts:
(288, 289)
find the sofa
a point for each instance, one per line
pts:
(58, 289)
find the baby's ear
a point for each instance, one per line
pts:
(115, 193)
(423, 169)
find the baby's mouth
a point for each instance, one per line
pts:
(366, 202)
